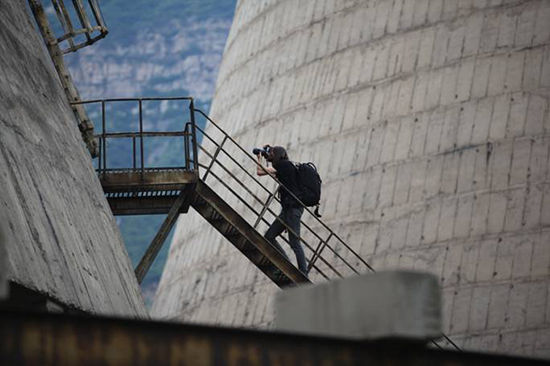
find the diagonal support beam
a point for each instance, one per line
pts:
(184, 199)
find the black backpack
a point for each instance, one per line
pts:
(310, 185)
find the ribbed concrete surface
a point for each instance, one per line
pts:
(60, 236)
(430, 124)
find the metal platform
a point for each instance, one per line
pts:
(148, 192)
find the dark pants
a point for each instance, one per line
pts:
(291, 217)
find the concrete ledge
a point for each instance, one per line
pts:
(393, 304)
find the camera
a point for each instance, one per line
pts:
(264, 151)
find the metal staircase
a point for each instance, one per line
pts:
(227, 195)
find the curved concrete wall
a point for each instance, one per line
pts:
(429, 121)
(60, 236)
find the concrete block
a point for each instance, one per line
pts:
(407, 305)
(390, 140)
(517, 306)
(381, 61)
(399, 236)
(433, 176)
(482, 121)
(472, 36)
(433, 134)
(525, 27)
(375, 145)
(451, 269)
(404, 138)
(402, 184)
(497, 209)
(536, 304)
(536, 110)
(446, 220)
(461, 310)
(505, 259)
(449, 175)
(541, 256)
(497, 304)
(382, 12)
(520, 161)
(420, 12)
(533, 206)
(419, 135)
(489, 33)
(465, 124)
(514, 210)
(426, 46)
(435, 11)
(479, 309)
(531, 72)
(434, 89)
(463, 217)
(387, 185)
(479, 214)
(440, 46)
(499, 118)
(406, 16)
(545, 72)
(418, 177)
(500, 169)
(481, 77)
(466, 170)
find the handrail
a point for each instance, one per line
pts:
(317, 253)
(188, 133)
(320, 247)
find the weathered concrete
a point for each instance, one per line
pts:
(3, 264)
(429, 122)
(64, 242)
(384, 305)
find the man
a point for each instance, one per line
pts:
(285, 171)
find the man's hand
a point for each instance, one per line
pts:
(261, 170)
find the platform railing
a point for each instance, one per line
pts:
(234, 168)
(138, 138)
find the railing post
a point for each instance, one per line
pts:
(134, 152)
(265, 207)
(141, 134)
(317, 253)
(103, 132)
(186, 142)
(214, 158)
(194, 139)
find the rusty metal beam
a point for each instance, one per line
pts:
(143, 205)
(182, 202)
(131, 180)
(85, 126)
(60, 339)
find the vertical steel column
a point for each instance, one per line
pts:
(146, 261)
(141, 134)
(134, 151)
(103, 132)
(194, 139)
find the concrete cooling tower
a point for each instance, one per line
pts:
(429, 123)
(62, 249)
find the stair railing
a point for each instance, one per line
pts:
(317, 246)
(317, 250)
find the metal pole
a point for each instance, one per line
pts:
(103, 127)
(134, 151)
(194, 139)
(214, 158)
(141, 134)
(155, 246)
(187, 152)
